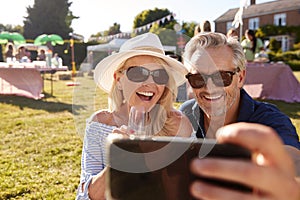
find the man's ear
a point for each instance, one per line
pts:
(241, 78)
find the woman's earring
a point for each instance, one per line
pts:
(119, 86)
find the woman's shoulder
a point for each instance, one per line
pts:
(103, 117)
(99, 125)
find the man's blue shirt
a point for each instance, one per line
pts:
(249, 111)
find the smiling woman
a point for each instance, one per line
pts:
(139, 75)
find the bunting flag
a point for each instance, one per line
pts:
(238, 18)
(136, 30)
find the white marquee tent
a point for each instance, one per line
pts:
(100, 51)
(115, 45)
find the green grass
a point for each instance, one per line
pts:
(40, 145)
(41, 140)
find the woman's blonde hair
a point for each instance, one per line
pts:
(160, 114)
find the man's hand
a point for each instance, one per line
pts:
(271, 173)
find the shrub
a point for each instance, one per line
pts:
(274, 45)
(290, 55)
(294, 64)
(296, 46)
(291, 58)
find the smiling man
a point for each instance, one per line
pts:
(217, 72)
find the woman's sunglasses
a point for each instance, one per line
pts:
(141, 74)
(220, 78)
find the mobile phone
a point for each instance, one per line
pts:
(158, 167)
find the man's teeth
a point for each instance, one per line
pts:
(213, 97)
(148, 94)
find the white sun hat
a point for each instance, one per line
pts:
(145, 44)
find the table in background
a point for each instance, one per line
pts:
(24, 79)
(272, 81)
(25, 82)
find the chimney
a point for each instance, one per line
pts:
(252, 2)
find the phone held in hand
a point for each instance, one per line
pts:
(159, 167)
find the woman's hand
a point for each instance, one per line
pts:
(271, 173)
(97, 186)
(122, 130)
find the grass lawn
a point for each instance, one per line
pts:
(42, 139)
(40, 146)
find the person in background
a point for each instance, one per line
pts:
(216, 66)
(203, 27)
(56, 61)
(251, 45)
(21, 56)
(140, 74)
(232, 33)
(28, 55)
(1, 56)
(9, 52)
(41, 55)
(197, 30)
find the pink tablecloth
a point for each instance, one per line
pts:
(272, 81)
(25, 82)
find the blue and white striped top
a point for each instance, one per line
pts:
(93, 158)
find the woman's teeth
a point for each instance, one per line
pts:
(147, 94)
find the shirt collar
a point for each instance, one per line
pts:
(246, 107)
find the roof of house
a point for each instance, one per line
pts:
(261, 9)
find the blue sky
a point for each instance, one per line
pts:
(99, 15)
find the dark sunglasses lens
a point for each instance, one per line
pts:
(196, 80)
(224, 80)
(140, 74)
(160, 76)
(220, 79)
(137, 74)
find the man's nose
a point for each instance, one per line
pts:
(210, 83)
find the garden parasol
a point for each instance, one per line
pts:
(45, 39)
(15, 37)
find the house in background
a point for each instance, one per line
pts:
(279, 13)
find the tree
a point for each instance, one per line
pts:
(149, 16)
(165, 29)
(189, 28)
(274, 45)
(11, 28)
(48, 17)
(115, 29)
(167, 36)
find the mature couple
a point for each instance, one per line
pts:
(141, 75)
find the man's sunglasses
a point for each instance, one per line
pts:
(220, 78)
(141, 74)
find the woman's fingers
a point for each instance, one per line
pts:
(122, 130)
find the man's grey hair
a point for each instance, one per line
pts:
(215, 40)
